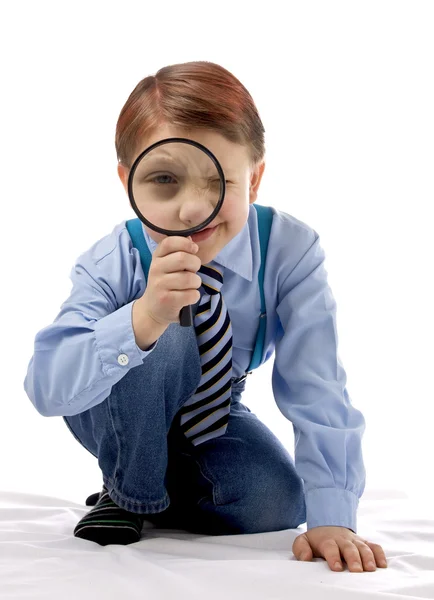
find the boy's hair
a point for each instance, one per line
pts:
(190, 95)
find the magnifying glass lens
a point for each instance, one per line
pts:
(176, 187)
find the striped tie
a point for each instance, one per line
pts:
(205, 415)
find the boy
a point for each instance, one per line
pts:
(123, 374)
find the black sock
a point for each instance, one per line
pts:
(107, 523)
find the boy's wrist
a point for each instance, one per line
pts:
(146, 329)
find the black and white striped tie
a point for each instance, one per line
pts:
(205, 415)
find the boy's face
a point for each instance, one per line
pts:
(242, 184)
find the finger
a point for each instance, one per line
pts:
(379, 555)
(367, 556)
(175, 243)
(183, 280)
(173, 302)
(331, 553)
(301, 548)
(180, 261)
(351, 555)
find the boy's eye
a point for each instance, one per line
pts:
(159, 177)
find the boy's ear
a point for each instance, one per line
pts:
(123, 175)
(255, 181)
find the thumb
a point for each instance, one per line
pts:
(301, 548)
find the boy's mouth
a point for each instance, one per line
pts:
(203, 235)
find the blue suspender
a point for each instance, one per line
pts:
(265, 218)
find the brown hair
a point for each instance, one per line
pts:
(190, 95)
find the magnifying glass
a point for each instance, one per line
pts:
(177, 187)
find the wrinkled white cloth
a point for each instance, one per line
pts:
(41, 559)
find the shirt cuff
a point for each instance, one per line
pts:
(331, 506)
(116, 341)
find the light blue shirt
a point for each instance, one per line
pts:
(91, 344)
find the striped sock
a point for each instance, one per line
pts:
(107, 523)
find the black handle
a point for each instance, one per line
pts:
(186, 316)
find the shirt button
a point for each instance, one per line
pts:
(123, 359)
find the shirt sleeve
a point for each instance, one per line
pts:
(91, 344)
(309, 385)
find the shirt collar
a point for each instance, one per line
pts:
(236, 255)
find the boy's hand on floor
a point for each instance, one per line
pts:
(332, 542)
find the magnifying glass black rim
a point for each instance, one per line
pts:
(182, 232)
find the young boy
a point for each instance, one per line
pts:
(122, 372)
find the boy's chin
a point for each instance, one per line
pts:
(206, 255)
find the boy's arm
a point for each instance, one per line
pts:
(309, 388)
(91, 344)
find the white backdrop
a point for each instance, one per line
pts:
(345, 91)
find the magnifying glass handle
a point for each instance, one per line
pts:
(186, 316)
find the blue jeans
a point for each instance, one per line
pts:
(242, 482)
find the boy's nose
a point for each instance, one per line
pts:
(195, 212)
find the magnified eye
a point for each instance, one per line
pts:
(165, 175)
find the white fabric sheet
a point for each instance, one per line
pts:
(41, 559)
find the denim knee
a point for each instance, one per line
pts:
(279, 505)
(260, 504)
